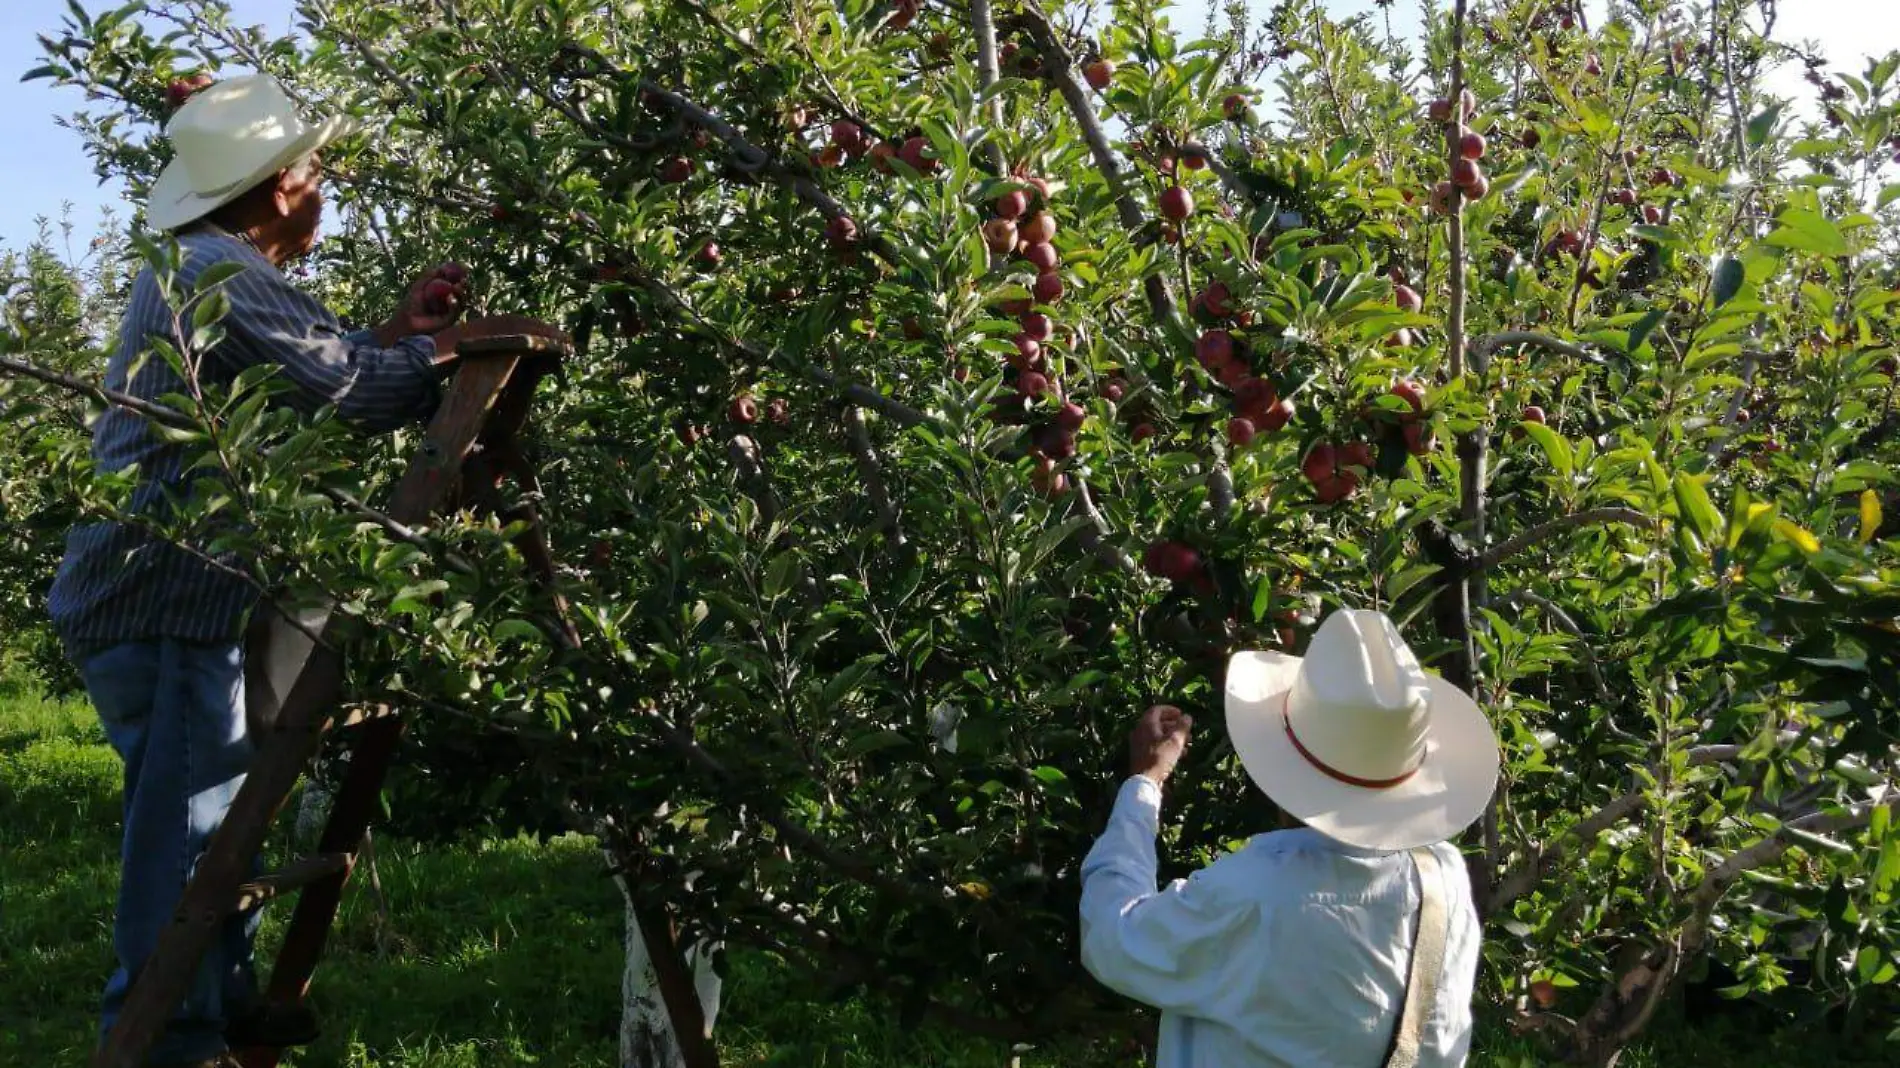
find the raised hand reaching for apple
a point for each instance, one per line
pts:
(434, 302)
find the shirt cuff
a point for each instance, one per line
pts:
(1140, 800)
(422, 347)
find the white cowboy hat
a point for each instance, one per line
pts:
(1357, 742)
(228, 138)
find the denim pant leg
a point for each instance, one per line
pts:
(174, 711)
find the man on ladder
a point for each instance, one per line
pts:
(156, 630)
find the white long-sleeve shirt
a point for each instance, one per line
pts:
(1291, 952)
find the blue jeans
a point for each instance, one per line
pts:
(174, 710)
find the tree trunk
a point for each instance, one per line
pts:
(647, 1039)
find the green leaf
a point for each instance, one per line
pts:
(1641, 331)
(1555, 447)
(1409, 578)
(1728, 280)
(1698, 512)
(1808, 231)
(516, 630)
(217, 274)
(1762, 126)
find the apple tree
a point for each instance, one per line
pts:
(955, 379)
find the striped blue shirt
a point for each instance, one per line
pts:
(119, 583)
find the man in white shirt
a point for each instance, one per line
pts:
(1347, 941)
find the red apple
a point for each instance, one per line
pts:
(744, 410)
(1041, 229)
(676, 170)
(1418, 438)
(1341, 486)
(1254, 396)
(1171, 560)
(1240, 432)
(904, 13)
(1048, 288)
(1400, 338)
(1407, 298)
(1465, 172)
(999, 235)
(1012, 204)
(848, 135)
(1592, 66)
(1214, 349)
(1142, 432)
(1114, 391)
(1194, 160)
(1042, 256)
(1652, 214)
(1479, 189)
(1442, 195)
(439, 297)
(1470, 102)
(881, 154)
(913, 154)
(1625, 196)
(1032, 384)
(1234, 106)
(1320, 464)
(1543, 991)
(1028, 346)
(710, 254)
(1071, 416)
(1176, 203)
(1038, 326)
(1216, 300)
(1409, 391)
(1099, 74)
(1533, 414)
(183, 89)
(1276, 417)
(1438, 110)
(1047, 479)
(1471, 145)
(1530, 138)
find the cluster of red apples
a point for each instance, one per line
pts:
(1467, 172)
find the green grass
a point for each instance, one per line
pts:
(497, 954)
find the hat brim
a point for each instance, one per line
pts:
(173, 203)
(1447, 793)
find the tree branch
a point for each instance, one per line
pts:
(1059, 69)
(1482, 348)
(1544, 531)
(984, 23)
(872, 472)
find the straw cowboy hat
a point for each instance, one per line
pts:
(1357, 742)
(226, 140)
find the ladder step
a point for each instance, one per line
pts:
(299, 874)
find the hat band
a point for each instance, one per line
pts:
(1286, 719)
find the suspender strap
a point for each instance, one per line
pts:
(1428, 961)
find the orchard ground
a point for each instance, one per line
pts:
(503, 953)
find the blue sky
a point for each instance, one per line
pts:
(42, 166)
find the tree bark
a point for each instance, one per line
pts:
(647, 1037)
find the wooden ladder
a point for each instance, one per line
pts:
(293, 684)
